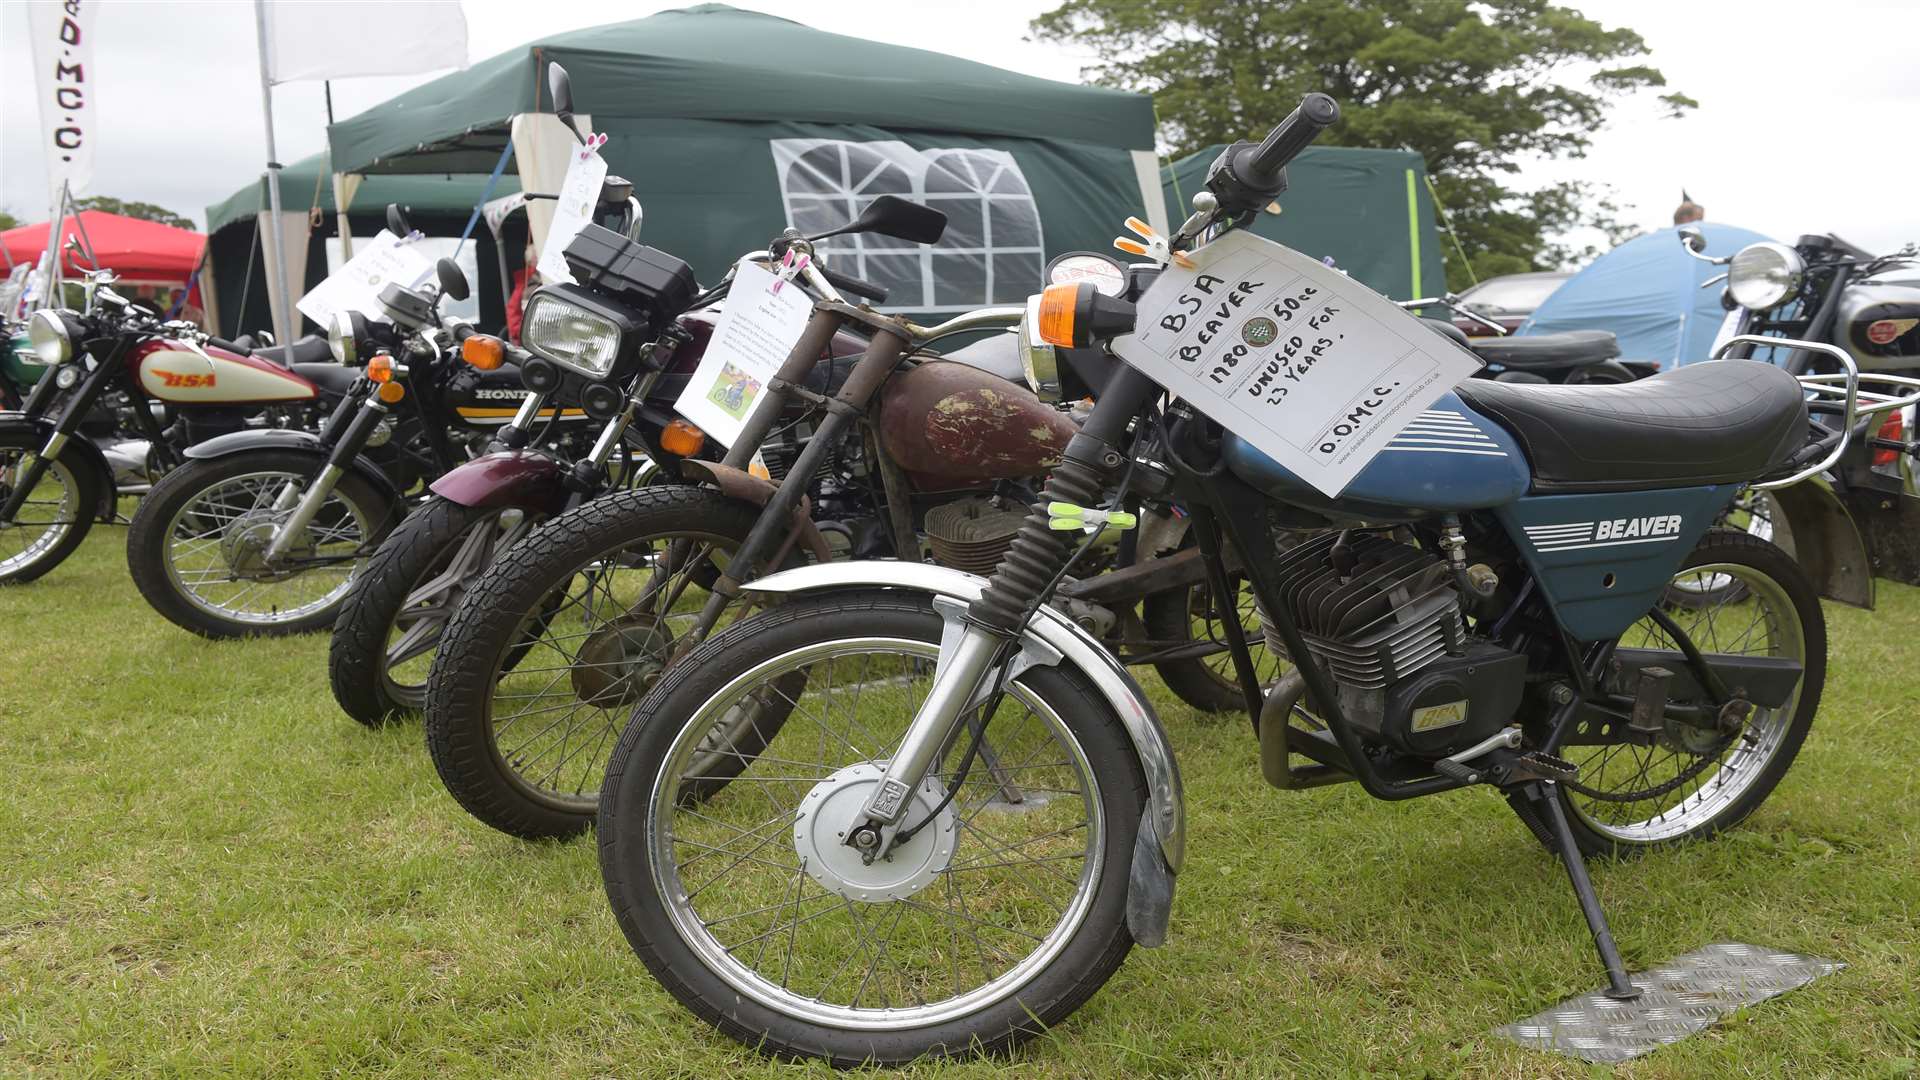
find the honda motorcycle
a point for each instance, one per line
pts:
(260, 532)
(117, 366)
(1841, 305)
(857, 885)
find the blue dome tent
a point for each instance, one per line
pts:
(1647, 292)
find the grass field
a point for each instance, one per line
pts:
(209, 871)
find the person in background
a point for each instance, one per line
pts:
(525, 280)
(1689, 211)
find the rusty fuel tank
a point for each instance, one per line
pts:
(954, 422)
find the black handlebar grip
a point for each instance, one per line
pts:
(1316, 113)
(847, 284)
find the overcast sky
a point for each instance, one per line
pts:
(1806, 120)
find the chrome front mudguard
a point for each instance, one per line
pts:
(1162, 840)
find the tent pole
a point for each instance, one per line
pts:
(341, 225)
(53, 253)
(282, 313)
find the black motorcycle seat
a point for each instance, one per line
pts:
(1728, 421)
(1548, 352)
(311, 349)
(330, 378)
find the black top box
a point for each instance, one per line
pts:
(647, 279)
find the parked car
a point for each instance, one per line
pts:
(1508, 299)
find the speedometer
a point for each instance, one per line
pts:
(1107, 276)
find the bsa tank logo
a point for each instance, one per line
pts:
(1884, 331)
(1259, 332)
(174, 380)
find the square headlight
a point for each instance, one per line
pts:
(576, 330)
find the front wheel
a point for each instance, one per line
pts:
(197, 545)
(1000, 915)
(1734, 595)
(57, 514)
(390, 625)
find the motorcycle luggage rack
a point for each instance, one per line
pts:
(1832, 392)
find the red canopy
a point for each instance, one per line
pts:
(137, 250)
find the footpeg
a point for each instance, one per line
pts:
(1540, 765)
(1453, 770)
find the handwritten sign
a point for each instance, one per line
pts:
(356, 286)
(757, 330)
(1313, 368)
(573, 211)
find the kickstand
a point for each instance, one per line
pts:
(1543, 800)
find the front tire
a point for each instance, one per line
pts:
(1015, 919)
(391, 623)
(57, 514)
(194, 545)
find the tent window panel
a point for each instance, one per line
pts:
(991, 252)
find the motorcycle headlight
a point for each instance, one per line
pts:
(1039, 359)
(343, 338)
(576, 330)
(1763, 275)
(51, 332)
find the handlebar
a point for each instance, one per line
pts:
(851, 284)
(1315, 113)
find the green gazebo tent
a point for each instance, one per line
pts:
(1369, 209)
(733, 124)
(439, 204)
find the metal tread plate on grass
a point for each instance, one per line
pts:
(1690, 994)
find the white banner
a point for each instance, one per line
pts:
(308, 40)
(64, 81)
(1312, 367)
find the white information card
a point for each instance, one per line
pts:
(757, 330)
(356, 285)
(1310, 366)
(572, 211)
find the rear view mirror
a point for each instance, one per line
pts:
(891, 215)
(615, 190)
(560, 88)
(397, 221)
(1695, 240)
(452, 282)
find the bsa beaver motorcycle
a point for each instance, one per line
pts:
(260, 532)
(861, 889)
(179, 387)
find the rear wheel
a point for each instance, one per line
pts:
(553, 646)
(1000, 916)
(57, 514)
(391, 624)
(197, 545)
(1743, 597)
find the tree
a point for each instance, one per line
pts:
(1474, 87)
(141, 210)
(8, 221)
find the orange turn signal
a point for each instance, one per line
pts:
(1056, 313)
(392, 392)
(483, 352)
(380, 368)
(682, 438)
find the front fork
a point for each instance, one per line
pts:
(63, 428)
(1038, 555)
(308, 505)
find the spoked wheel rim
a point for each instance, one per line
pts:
(564, 691)
(987, 898)
(48, 515)
(1206, 619)
(1689, 776)
(215, 540)
(415, 634)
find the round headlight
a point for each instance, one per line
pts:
(51, 337)
(1038, 358)
(340, 338)
(1763, 275)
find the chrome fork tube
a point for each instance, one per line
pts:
(616, 428)
(304, 513)
(955, 682)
